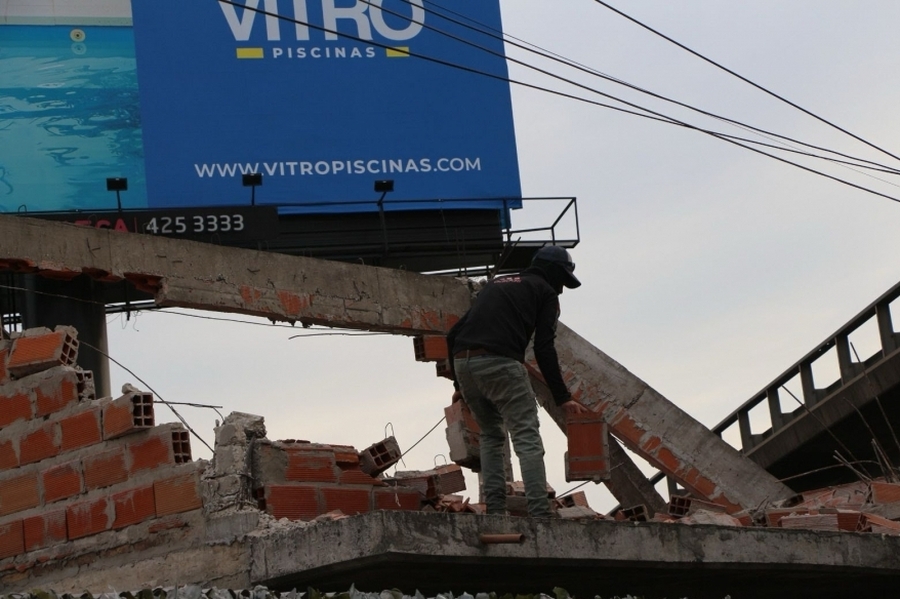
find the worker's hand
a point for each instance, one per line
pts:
(573, 408)
(457, 395)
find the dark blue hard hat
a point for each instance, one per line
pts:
(558, 257)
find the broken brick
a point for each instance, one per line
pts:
(378, 457)
(430, 348)
(40, 349)
(127, 414)
(882, 492)
(681, 505)
(587, 457)
(4, 355)
(151, 452)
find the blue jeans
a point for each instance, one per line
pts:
(498, 391)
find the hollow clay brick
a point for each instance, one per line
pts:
(61, 482)
(38, 445)
(19, 493)
(177, 494)
(80, 430)
(40, 351)
(133, 506)
(105, 469)
(15, 406)
(45, 530)
(88, 518)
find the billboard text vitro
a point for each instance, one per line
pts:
(364, 17)
(219, 94)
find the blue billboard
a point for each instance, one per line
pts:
(323, 98)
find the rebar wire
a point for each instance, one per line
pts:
(877, 398)
(843, 460)
(151, 389)
(823, 425)
(198, 405)
(822, 469)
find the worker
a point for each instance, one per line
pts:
(488, 345)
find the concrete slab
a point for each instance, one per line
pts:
(442, 552)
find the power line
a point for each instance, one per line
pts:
(744, 79)
(507, 79)
(521, 44)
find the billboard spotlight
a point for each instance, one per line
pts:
(252, 180)
(384, 185)
(117, 184)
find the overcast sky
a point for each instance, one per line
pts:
(708, 270)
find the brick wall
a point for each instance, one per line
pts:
(72, 466)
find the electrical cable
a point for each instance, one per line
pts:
(521, 44)
(149, 388)
(744, 79)
(507, 79)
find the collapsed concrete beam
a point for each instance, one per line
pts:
(660, 432)
(203, 276)
(627, 483)
(199, 275)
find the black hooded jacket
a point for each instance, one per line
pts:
(503, 318)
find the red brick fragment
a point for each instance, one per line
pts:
(88, 518)
(45, 530)
(13, 407)
(105, 469)
(587, 457)
(61, 482)
(129, 413)
(133, 506)
(294, 502)
(20, 493)
(80, 430)
(177, 494)
(350, 501)
(378, 457)
(38, 445)
(430, 348)
(881, 492)
(12, 539)
(37, 352)
(878, 524)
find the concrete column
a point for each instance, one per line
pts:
(79, 303)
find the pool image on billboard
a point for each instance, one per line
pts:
(322, 97)
(69, 108)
